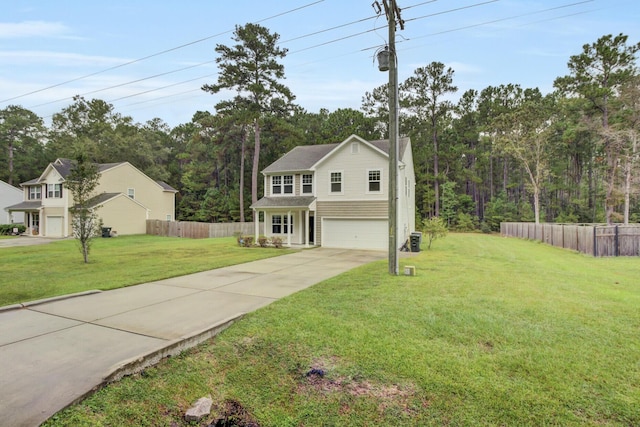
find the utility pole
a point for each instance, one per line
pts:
(393, 16)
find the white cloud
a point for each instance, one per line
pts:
(11, 30)
(30, 57)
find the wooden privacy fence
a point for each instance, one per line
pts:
(592, 239)
(199, 230)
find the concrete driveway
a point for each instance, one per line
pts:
(54, 352)
(25, 241)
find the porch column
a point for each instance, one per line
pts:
(289, 228)
(306, 228)
(256, 224)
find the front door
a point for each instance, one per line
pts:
(312, 229)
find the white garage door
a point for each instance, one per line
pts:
(355, 233)
(54, 226)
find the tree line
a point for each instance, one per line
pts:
(503, 153)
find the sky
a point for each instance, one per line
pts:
(150, 58)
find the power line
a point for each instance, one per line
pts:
(340, 39)
(502, 19)
(451, 10)
(115, 67)
(127, 83)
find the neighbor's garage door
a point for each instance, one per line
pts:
(355, 233)
(54, 226)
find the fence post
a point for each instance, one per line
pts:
(617, 242)
(595, 240)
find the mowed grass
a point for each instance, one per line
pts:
(33, 272)
(491, 332)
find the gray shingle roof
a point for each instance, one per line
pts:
(25, 206)
(284, 202)
(64, 166)
(301, 158)
(166, 187)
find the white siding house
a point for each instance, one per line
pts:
(336, 195)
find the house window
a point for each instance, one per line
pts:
(336, 182)
(168, 217)
(279, 224)
(54, 191)
(276, 185)
(307, 184)
(282, 184)
(35, 193)
(288, 184)
(374, 181)
(131, 192)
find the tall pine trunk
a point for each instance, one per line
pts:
(242, 150)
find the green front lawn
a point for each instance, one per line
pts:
(56, 268)
(492, 332)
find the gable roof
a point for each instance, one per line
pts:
(103, 198)
(305, 157)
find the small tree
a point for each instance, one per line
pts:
(81, 182)
(434, 228)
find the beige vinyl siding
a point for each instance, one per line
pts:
(375, 209)
(124, 216)
(150, 194)
(355, 177)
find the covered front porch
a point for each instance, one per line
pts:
(290, 218)
(32, 214)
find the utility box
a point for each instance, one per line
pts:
(415, 240)
(106, 231)
(409, 270)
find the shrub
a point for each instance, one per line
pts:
(465, 222)
(276, 241)
(263, 241)
(434, 228)
(246, 241)
(485, 228)
(238, 236)
(7, 229)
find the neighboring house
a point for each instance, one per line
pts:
(125, 198)
(336, 195)
(10, 195)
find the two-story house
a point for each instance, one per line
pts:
(9, 195)
(336, 195)
(125, 199)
